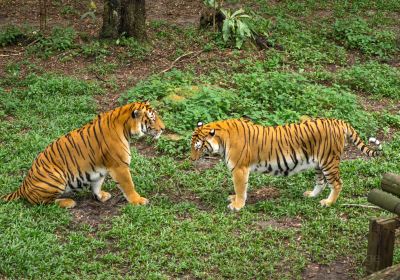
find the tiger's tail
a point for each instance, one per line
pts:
(372, 152)
(12, 196)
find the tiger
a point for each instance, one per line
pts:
(279, 150)
(85, 156)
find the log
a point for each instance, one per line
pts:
(390, 273)
(391, 183)
(381, 243)
(385, 200)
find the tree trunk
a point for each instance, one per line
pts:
(133, 19)
(111, 19)
(126, 17)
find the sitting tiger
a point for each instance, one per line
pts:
(83, 158)
(280, 150)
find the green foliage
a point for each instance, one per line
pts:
(372, 78)
(134, 47)
(357, 34)
(11, 35)
(95, 49)
(61, 39)
(235, 27)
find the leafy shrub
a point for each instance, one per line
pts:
(94, 49)
(61, 39)
(11, 35)
(306, 46)
(372, 78)
(235, 28)
(356, 34)
(135, 48)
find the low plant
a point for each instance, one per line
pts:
(94, 49)
(135, 48)
(372, 78)
(235, 27)
(11, 35)
(61, 39)
(357, 34)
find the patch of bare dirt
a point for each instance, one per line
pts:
(266, 193)
(285, 223)
(205, 163)
(177, 195)
(92, 212)
(180, 12)
(338, 270)
(144, 148)
(381, 104)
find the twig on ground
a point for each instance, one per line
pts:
(179, 58)
(361, 205)
(11, 54)
(100, 78)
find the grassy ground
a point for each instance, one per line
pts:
(337, 60)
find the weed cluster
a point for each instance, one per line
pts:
(11, 35)
(357, 34)
(61, 39)
(372, 78)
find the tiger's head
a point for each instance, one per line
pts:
(145, 120)
(204, 141)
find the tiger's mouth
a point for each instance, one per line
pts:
(155, 133)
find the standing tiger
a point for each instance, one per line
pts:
(279, 150)
(83, 158)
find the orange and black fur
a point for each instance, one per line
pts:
(280, 150)
(83, 158)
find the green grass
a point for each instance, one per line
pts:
(187, 231)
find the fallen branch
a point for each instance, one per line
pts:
(12, 54)
(100, 78)
(362, 205)
(179, 58)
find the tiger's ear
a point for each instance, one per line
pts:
(212, 132)
(146, 102)
(199, 124)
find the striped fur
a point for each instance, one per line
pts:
(280, 150)
(83, 158)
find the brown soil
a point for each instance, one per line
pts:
(263, 194)
(205, 163)
(338, 270)
(92, 212)
(285, 223)
(179, 195)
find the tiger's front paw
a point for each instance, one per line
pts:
(236, 206)
(326, 202)
(140, 201)
(104, 196)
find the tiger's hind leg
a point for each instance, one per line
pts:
(335, 183)
(65, 202)
(96, 189)
(319, 184)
